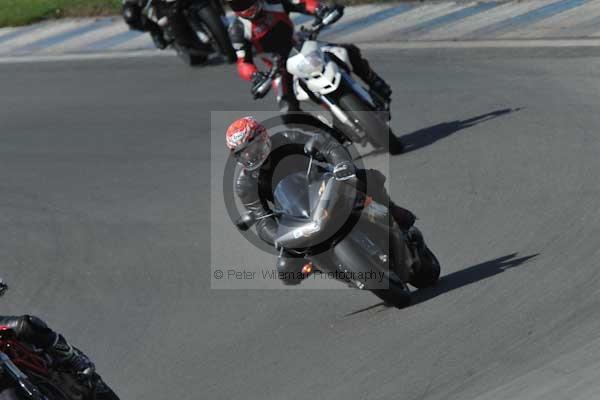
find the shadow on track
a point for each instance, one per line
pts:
(424, 137)
(427, 136)
(470, 275)
(458, 279)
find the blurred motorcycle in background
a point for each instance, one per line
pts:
(195, 29)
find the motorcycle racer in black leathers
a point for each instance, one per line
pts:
(265, 160)
(264, 27)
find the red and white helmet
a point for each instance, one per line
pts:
(249, 142)
(248, 9)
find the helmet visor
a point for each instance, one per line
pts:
(254, 155)
(250, 12)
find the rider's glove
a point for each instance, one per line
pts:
(344, 171)
(260, 84)
(322, 12)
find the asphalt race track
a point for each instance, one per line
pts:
(104, 203)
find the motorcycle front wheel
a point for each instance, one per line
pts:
(217, 30)
(378, 132)
(396, 294)
(429, 271)
(188, 57)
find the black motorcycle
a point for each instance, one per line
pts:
(348, 236)
(194, 28)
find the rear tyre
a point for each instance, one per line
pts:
(213, 22)
(396, 294)
(429, 271)
(378, 132)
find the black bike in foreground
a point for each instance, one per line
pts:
(345, 234)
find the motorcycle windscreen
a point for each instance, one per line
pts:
(291, 196)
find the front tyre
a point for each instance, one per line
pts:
(189, 57)
(429, 270)
(396, 294)
(217, 31)
(378, 132)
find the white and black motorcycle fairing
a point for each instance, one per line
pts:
(322, 72)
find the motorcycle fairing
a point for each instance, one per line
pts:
(21, 356)
(322, 76)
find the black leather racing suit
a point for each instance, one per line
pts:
(255, 188)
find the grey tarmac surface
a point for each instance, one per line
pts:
(104, 203)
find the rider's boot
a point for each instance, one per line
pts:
(379, 87)
(70, 358)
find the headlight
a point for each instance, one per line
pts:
(311, 62)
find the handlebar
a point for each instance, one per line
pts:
(263, 87)
(319, 24)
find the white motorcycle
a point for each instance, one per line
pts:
(322, 73)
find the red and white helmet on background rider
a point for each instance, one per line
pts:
(247, 9)
(249, 142)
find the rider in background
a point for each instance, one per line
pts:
(264, 27)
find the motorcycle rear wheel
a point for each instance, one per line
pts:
(217, 30)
